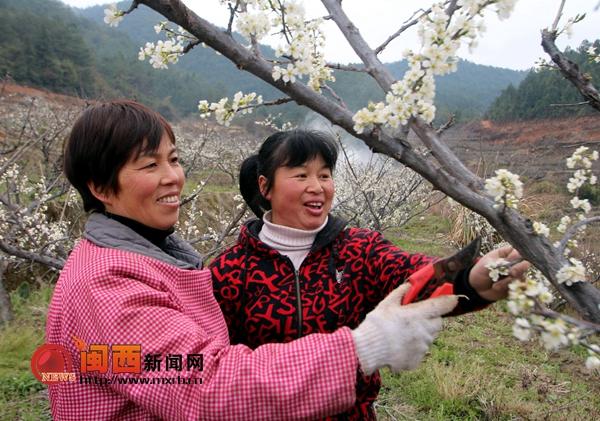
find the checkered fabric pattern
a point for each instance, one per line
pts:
(110, 296)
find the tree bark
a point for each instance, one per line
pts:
(6, 313)
(570, 70)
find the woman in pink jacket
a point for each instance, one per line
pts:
(137, 315)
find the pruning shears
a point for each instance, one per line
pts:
(438, 277)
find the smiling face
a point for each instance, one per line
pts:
(300, 196)
(149, 188)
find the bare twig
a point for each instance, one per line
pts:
(335, 95)
(446, 125)
(346, 67)
(576, 104)
(410, 22)
(558, 15)
(546, 312)
(49, 261)
(573, 230)
(227, 231)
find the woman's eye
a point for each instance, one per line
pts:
(150, 165)
(175, 159)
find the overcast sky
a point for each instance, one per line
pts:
(512, 43)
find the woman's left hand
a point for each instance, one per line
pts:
(482, 283)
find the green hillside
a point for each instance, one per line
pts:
(546, 93)
(45, 44)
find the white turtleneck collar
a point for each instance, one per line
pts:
(292, 242)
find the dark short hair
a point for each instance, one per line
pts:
(282, 149)
(102, 140)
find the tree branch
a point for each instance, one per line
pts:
(570, 70)
(403, 28)
(346, 67)
(31, 256)
(558, 16)
(573, 230)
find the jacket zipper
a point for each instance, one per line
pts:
(298, 302)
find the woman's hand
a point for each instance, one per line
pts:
(482, 283)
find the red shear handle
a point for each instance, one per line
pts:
(444, 289)
(419, 280)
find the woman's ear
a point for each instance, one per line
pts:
(262, 187)
(100, 194)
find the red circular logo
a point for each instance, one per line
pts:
(50, 363)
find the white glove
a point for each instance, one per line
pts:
(398, 336)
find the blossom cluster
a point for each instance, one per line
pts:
(441, 38)
(506, 188)
(224, 110)
(30, 227)
(161, 53)
(581, 162)
(529, 296)
(541, 229)
(304, 40)
(526, 298)
(569, 274)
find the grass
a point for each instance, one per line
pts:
(477, 371)
(22, 397)
(425, 234)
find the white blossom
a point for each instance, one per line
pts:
(522, 329)
(569, 274)
(592, 363)
(541, 229)
(554, 335)
(506, 188)
(498, 268)
(113, 16)
(582, 204)
(564, 222)
(225, 110)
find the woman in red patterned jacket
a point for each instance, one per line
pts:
(299, 270)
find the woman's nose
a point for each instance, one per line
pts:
(314, 185)
(171, 174)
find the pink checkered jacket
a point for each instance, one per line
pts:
(118, 288)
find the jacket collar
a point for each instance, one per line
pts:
(107, 232)
(249, 234)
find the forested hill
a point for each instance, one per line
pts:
(69, 50)
(43, 43)
(546, 93)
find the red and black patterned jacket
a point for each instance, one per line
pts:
(343, 277)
